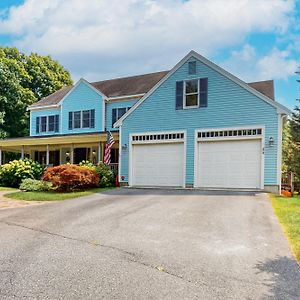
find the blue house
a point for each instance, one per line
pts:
(195, 125)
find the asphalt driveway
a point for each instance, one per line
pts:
(147, 244)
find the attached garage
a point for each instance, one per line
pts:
(158, 160)
(229, 159)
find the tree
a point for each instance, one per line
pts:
(24, 79)
(288, 148)
(295, 137)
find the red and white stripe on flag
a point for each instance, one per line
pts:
(107, 151)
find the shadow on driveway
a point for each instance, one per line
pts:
(175, 192)
(285, 281)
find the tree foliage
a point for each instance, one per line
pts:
(295, 134)
(24, 79)
(288, 148)
(291, 143)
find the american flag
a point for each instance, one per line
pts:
(109, 143)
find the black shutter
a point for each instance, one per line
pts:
(70, 120)
(113, 116)
(56, 123)
(179, 95)
(203, 92)
(37, 126)
(92, 118)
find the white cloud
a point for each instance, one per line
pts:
(113, 37)
(250, 66)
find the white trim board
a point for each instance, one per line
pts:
(280, 108)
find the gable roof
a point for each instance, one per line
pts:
(138, 86)
(280, 108)
(265, 87)
(133, 85)
(119, 87)
(52, 99)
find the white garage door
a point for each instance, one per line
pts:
(229, 164)
(157, 164)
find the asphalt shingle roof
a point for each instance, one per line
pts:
(136, 85)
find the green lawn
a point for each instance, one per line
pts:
(4, 188)
(51, 196)
(288, 212)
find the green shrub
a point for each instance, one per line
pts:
(107, 177)
(71, 177)
(12, 173)
(33, 185)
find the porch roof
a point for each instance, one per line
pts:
(58, 139)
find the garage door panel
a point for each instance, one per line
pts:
(157, 164)
(229, 164)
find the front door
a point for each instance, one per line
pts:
(80, 154)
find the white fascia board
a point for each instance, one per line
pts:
(280, 108)
(240, 82)
(125, 97)
(42, 107)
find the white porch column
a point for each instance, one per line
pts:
(99, 152)
(22, 152)
(47, 155)
(72, 154)
(0, 156)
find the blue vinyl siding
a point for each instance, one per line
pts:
(116, 104)
(41, 113)
(228, 105)
(83, 97)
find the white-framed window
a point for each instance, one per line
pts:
(158, 137)
(47, 124)
(77, 119)
(82, 119)
(191, 93)
(117, 113)
(229, 133)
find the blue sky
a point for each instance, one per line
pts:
(253, 39)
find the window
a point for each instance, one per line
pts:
(191, 93)
(86, 118)
(82, 119)
(158, 137)
(192, 67)
(230, 133)
(43, 124)
(77, 119)
(47, 124)
(117, 113)
(51, 123)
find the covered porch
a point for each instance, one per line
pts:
(60, 149)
